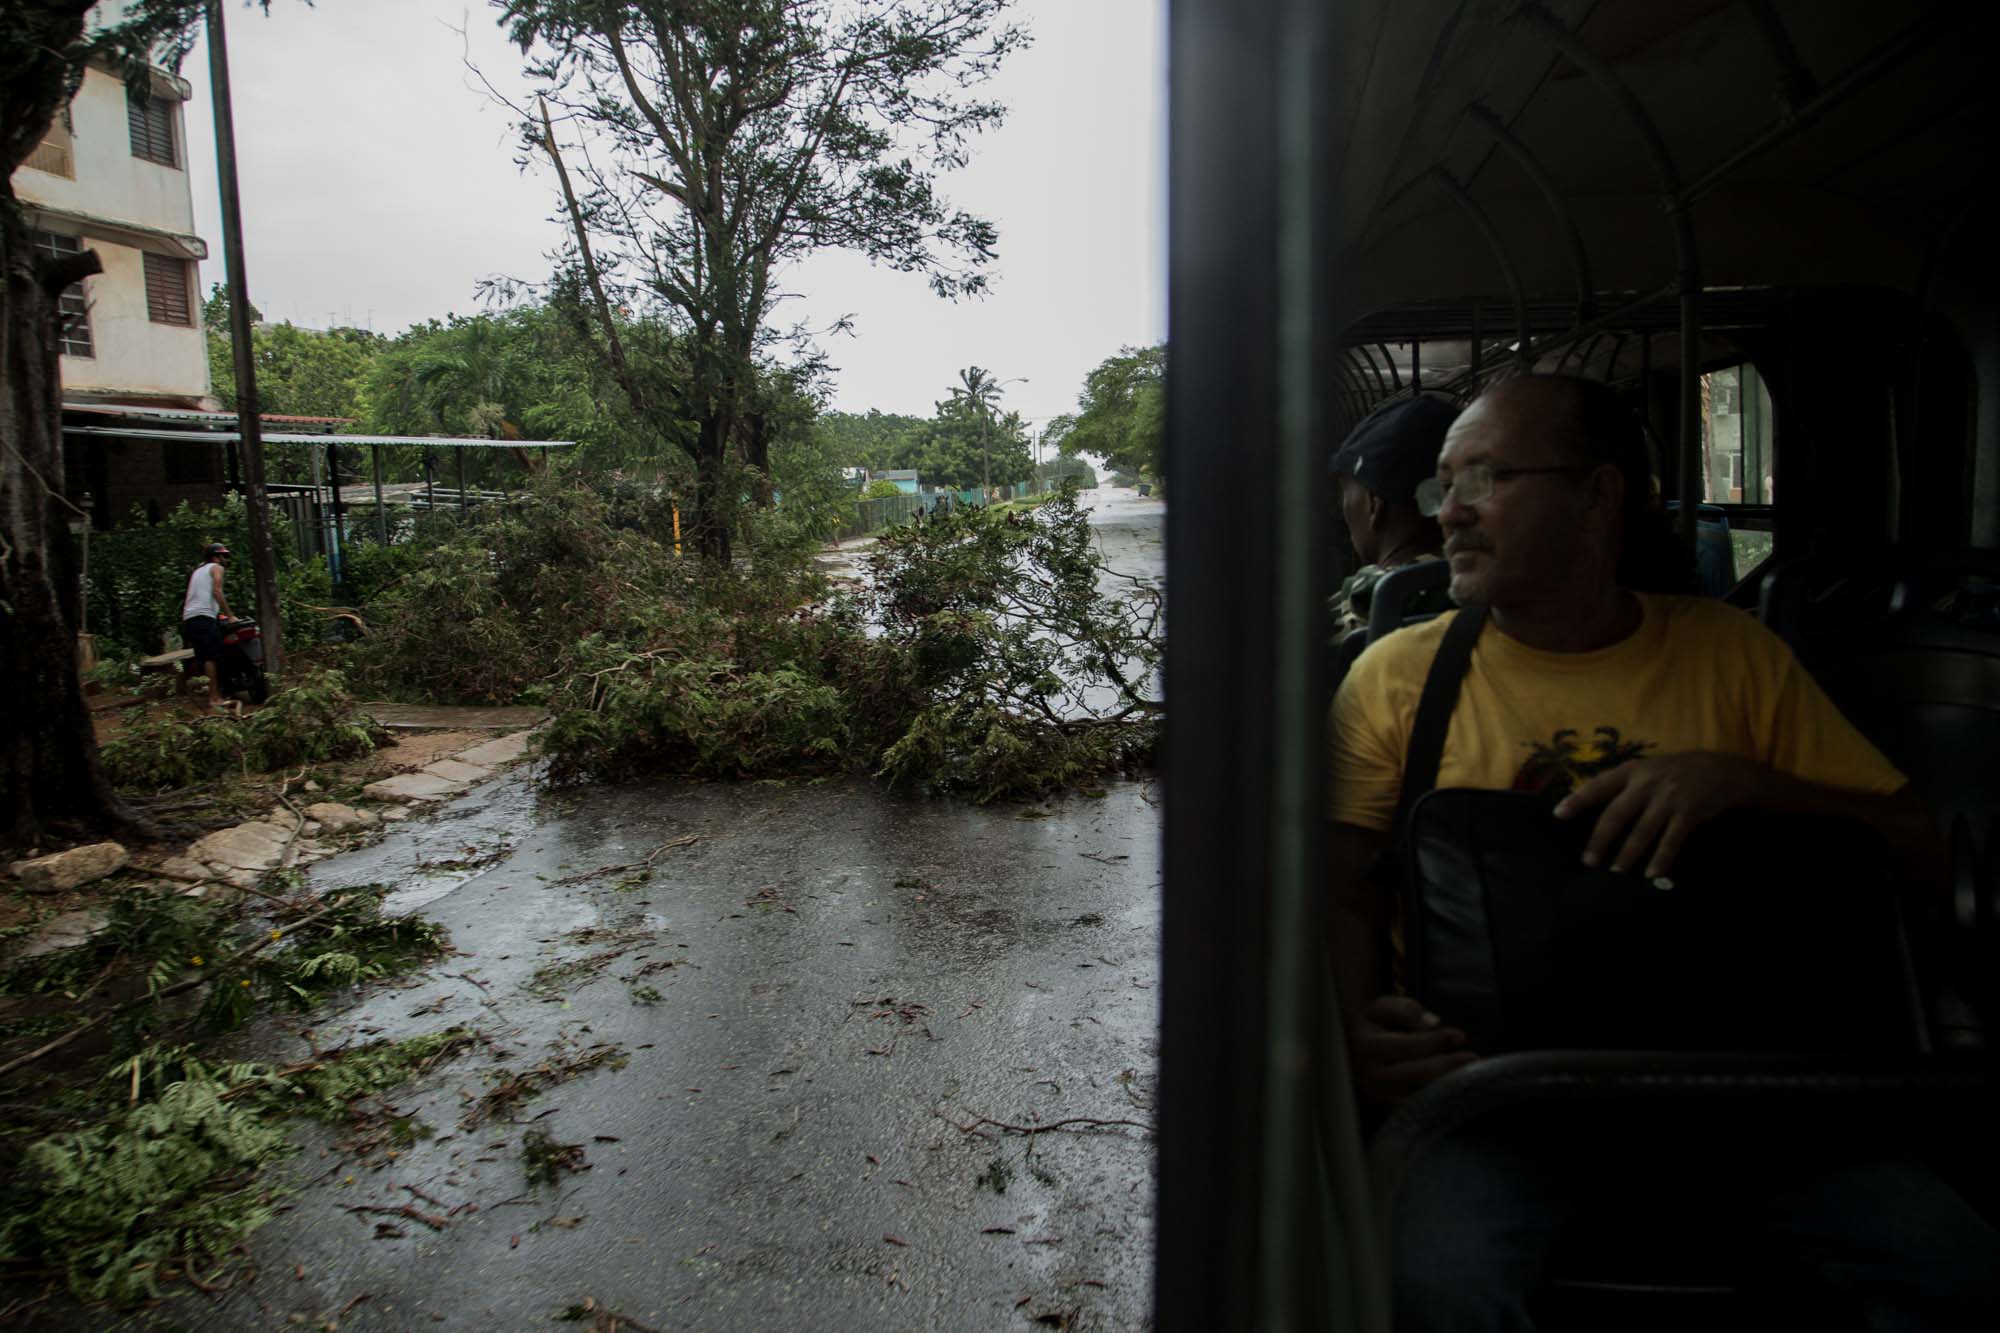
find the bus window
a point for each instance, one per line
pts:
(1740, 459)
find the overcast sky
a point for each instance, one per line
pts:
(379, 187)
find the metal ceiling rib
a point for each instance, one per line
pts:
(1861, 75)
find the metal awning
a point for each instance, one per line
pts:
(289, 437)
(137, 412)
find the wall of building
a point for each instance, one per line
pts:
(109, 182)
(134, 355)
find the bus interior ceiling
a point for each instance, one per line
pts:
(1644, 192)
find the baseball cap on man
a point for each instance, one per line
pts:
(214, 549)
(1396, 446)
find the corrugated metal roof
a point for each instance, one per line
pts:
(138, 413)
(289, 437)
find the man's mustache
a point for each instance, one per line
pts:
(1460, 545)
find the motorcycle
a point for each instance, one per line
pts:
(240, 669)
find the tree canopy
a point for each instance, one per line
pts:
(1121, 413)
(300, 372)
(961, 443)
(874, 440)
(705, 147)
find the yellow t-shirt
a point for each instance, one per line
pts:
(1696, 675)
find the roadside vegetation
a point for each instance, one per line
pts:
(312, 722)
(987, 654)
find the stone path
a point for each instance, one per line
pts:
(241, 854)
(444, 778)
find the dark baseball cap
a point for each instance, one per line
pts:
(1396, 446)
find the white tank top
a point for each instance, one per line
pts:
(200, 600)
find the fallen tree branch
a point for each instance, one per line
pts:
(410, 1211)
(220, 969)
(1069, 1125)
(687, 840)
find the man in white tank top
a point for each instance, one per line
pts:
(202, 612)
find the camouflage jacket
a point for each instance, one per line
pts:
(1351, 604)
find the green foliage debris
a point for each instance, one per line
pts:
(992, 656)
(314, 721)
(169, 1185)
(147, 1169)
(544, 1160)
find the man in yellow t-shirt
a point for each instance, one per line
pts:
(1645, 712)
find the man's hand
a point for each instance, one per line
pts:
(1651, 805)
(1399, 1047)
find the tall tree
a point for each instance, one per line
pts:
(49, 774)
(728, 139)
(877, 440)
(300, 372)
(1121, 414)
(976, 392)
(967, 446)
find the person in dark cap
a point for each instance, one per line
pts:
(1378, 469)
(203, 610)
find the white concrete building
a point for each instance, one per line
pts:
(112, 177)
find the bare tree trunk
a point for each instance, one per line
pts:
(757, 453)
(50, 778)
(711, 505)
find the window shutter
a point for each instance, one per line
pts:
(167, 290)
(151, 120)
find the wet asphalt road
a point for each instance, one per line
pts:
(803, 997)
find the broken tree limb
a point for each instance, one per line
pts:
(686, 840)
(208, 974)
(1069, 1125)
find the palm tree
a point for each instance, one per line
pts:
(977, 387)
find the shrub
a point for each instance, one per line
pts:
(313, 721)
(309, 723)
(166, 751)
(979, 663)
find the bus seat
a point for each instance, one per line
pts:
(1345, 652)
(1908, 647)
(1396, 596)
(1400, 599)
(1911, 654)
(1636, 1271)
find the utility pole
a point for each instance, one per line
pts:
(985, 462)
(263, 564)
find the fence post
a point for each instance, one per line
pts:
(381, 514)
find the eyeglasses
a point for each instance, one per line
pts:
(1474, 483)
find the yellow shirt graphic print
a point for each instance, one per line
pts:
(1696, 675)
